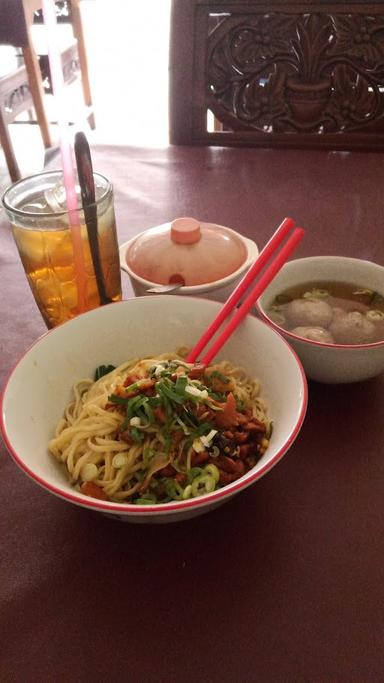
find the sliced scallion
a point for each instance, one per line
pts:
(203, 484)
(103, 370)
(136, 435)
(219, 375)
(213, 471)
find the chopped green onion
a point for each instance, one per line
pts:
(103, 370)
(316, 294)
(203, 484)
(191, 418)
(240, 405)
(198, 445)
(148, 454)
(194, 392)
(119, 460)
(180, 385)
(165, 389)
(183, 426)
(124, 425)
(213, 471)
(375, 315)
(114, 398)
(136, 435)
(154, 401)
(149, 412)
(178, 364)
(193, 473)
(363, 292)
(134, 404)
(132, 387)
(215, 452)
(220, 376)
(221, 398)
(156, 370)
(366, 296)
(187, 493)
(203, 428)
(206, 440)
(166, 438)
(173, 489)
(89, 471)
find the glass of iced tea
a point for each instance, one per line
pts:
(42, 231)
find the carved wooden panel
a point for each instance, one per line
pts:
(70, 64)
(308, 73)
(277, 72)
(15, 95)
(63, 13)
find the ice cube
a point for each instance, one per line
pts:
(35, 207)
(56, 197)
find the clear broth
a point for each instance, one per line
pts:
(344, 299)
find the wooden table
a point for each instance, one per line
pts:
(283, 584)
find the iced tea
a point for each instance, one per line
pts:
(44, 241)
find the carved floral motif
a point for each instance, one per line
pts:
(308, 73)
(15, 100)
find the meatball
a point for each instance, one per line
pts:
(309, 312)
(317, 334)
(352, 328)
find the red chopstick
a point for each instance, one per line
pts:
(247, 304)
(241, 288)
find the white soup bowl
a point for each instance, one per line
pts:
(329, 363)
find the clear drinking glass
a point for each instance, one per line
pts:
(37, 211)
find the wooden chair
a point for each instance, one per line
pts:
(74, 54)
(15, 98)
(23, 88)
(293, 74)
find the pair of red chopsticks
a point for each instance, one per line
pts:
(270, 272)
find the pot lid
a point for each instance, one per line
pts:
(186, 251)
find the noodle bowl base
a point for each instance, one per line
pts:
(39, 388)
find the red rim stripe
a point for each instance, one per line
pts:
(161, 508)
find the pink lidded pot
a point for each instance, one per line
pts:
(200, 259)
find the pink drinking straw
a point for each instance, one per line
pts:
(49, 15)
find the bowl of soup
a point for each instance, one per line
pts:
(116, 420)
(331, 310)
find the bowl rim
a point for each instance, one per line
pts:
(161, 508)
(288, 333)
(191, 289)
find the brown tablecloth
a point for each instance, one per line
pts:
(285, 583)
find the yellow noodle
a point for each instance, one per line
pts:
(88, 434)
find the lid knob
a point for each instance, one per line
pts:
(185, 230)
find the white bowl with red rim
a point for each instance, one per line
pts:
(329, 363)
(39, 387)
